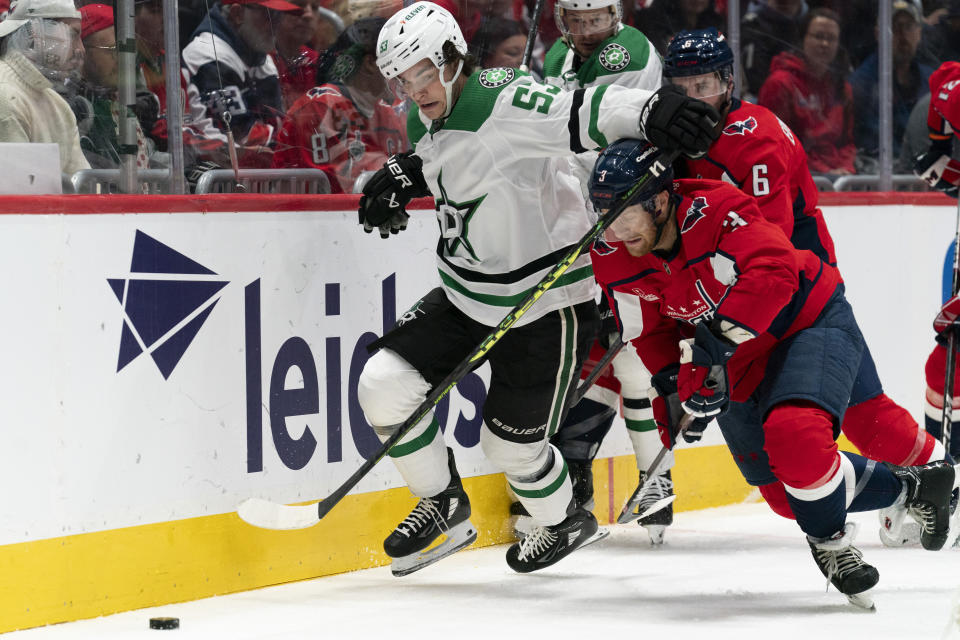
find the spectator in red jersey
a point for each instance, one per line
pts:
(203, 143)
(809, 91)
(296, 62)
(344, 126)
(499, 43)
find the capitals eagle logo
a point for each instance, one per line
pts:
(740, 127)
(601, 248)
(694, 213)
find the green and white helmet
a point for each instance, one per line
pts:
(415, 33)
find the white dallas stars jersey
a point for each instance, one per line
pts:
(508, 204)
(626, 59)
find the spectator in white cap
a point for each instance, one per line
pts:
(40, 45)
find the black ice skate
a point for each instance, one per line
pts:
(545, 546)
(928, 492)
(581, 476)
(657, 522)
(843, 566)
(445, 514)
(648, 499)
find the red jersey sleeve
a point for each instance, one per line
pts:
(757, 260)
(943, 116)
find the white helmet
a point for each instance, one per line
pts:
(415, 33)
(562, 6)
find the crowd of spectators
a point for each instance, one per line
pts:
(294, 84)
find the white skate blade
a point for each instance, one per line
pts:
(460, 536)
(601, 533)
(862, 600)
(270, 515)
(655, 531)
(656, 506)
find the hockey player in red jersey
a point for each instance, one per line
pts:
(732, 317)
(942, 172)
(758, 153)
(344, 126)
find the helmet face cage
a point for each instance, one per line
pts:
(416, 33)
(694, 52)
(569, 27)
(618, 169)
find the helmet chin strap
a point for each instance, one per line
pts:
(448, 88)
(662, 218)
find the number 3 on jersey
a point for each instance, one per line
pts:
(530, 100)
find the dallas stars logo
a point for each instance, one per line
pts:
(614, 57)
(454, 219)
(496, 77)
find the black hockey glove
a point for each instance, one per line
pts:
(609, 331)
(668, 413)
(387, 193)
(938, 169)
(670, 120)
(702, 380)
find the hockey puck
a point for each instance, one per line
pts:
(164, 623)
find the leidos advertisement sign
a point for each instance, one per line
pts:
(164, 366)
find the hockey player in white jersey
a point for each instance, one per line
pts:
(492, 147)
(597, 49)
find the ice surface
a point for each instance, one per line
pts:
(732, 572)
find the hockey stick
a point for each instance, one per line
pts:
(946, 424)
(596, 372)
(270, 515)
(531, 36)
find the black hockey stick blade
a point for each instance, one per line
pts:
(270, 515)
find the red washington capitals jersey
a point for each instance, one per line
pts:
(325, 130)
(730, 263)
(758, 153)
(943, 118)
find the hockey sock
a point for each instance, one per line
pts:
(883, 430)
(804, 457)
(420, 457)
(876, 487)
(583, 430)
(546, 494)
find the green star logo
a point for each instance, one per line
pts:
(614, 57)
(496, 77)
(454, 219)
(383, 46)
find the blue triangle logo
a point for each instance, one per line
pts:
(162, 315)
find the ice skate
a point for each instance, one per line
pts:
(446, 515)
(545, 546)
(657, 522)
(928, 491)
(843, 566)
(522, 524)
